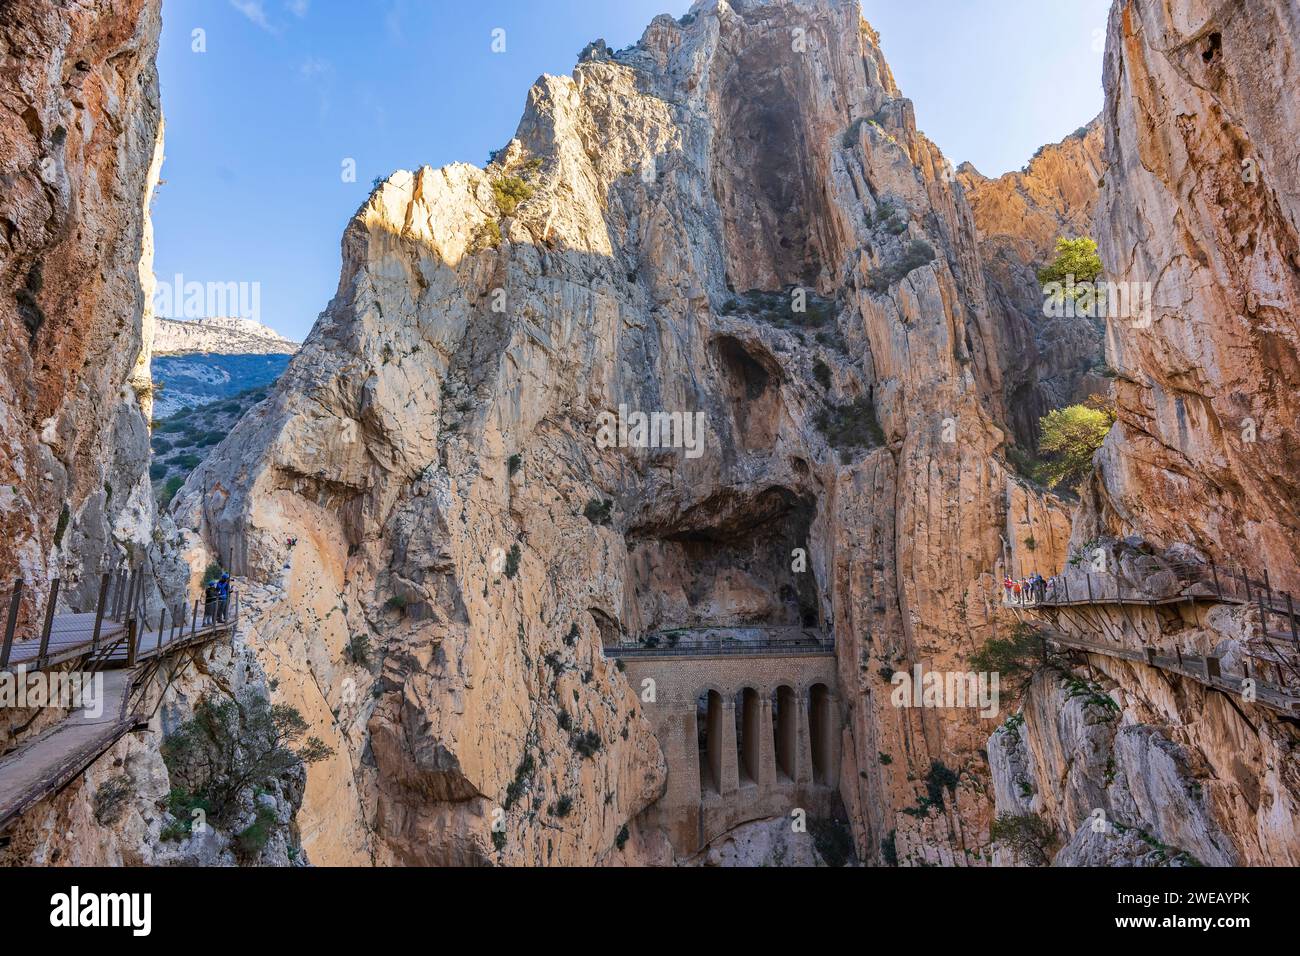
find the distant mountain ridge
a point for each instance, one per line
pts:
(219, 336)
(198, 361)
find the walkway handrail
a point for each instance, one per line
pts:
(120, 601)
(1226, 586)
(1206, 669)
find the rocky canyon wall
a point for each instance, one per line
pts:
(433, 456)
(80, 151)
(1046, 362)
(1126, 763)
(1202, 200)
(80, 154)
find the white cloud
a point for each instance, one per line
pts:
(255, 12)
(313, 67)
(298, 7)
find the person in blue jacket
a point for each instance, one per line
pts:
(223, 597)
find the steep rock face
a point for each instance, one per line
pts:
(1186, 770)
(1202, 199)
(80, 148)
(431, 451)
(1046, 361)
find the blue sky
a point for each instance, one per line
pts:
(261, 123)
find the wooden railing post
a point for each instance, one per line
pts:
(49, 623)
(1214, 570)
(99, 612)
(128, 608)
(132, 640)
(194, 620)
(162, 627)
(1290, 613)
(123, 579)
(11, 622)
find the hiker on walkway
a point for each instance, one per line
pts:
(223, 597)
(210, 604)
(1015, 588)
(1006, 586)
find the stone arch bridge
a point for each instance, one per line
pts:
(747, 733)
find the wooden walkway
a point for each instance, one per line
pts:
(53, 758)
(1204, 670)
(114, 648)
(50, 761)
(71, 636)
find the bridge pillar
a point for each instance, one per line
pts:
(803, 775)
(730, 781)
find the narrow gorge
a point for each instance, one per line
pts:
(625, 479)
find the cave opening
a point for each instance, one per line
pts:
(733, 568)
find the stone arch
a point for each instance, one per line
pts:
(708, 735)
(785, 713)
(820, 728)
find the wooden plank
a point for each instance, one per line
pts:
(48, 762)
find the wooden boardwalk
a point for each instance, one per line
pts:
(56, 756)
(1203, 670)
(118, 655)
(70, 637)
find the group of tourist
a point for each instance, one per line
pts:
(1030, 590)
(216, 600)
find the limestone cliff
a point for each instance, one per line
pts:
(1202, 199)
(1131, 764)
(219, 336)
(1046, 362)
(432, 452)
(80, 150)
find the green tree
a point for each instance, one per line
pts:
(1015, 659)
(1074, 257)
(1068, 438)
(231, 745)
(1028, 835)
